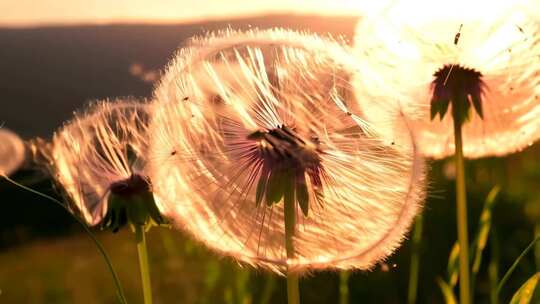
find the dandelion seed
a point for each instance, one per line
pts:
(99, 160)
(12, 152)
(485, 76)
(246, 122)
(437, 56)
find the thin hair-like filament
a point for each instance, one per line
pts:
(222, 94)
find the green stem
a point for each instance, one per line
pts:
(516, 262)
(293, 294)
(461, 200)
(344, 287)
(415, 260)
(140, 237)
(493, 268)
(119, 289)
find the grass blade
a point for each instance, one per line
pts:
(526, 291)
(453, 265)
(101, 249)
(493, 267)
(482, 236)
(447, 292)
(479, 243)
(484, 227)
(516, 262)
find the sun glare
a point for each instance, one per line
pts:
(412, 40)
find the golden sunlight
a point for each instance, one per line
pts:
(278, 111)
(31, 13)
(411, 40)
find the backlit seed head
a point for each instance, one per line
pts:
(434, 56)
(99, 159)
(242, 120)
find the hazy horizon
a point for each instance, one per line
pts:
(49, 72)
(26, 13)
(172, 22)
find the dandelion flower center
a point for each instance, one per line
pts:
(286, 158)
(282, 144)
(459, 85)
(264, 128)
(132, 186)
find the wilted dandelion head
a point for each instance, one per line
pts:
(12, 152)
(436, 56)
(244, 121)
(100, 153)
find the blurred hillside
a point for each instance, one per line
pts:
(47, 73)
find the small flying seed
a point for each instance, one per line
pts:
(458, 34)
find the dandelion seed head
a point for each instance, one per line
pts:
(101, 151)
(235, 109)
(12, 152)
(408, 43)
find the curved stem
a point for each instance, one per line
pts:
(119, 289)
(415, 260)
(516, 262)
(461, 201)
(293, 294)
(140, 237)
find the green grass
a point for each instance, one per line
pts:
(70, 270)
(46, 258)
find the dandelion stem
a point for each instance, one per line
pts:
(415, 260)
(293, 294)
(461, 201)
(140, 237)
(344, 287)
(119, 289)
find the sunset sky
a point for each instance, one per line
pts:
(42, 12)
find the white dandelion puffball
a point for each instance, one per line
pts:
(243, 121)
(100, 150)
(12, 152)
(418, 51)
